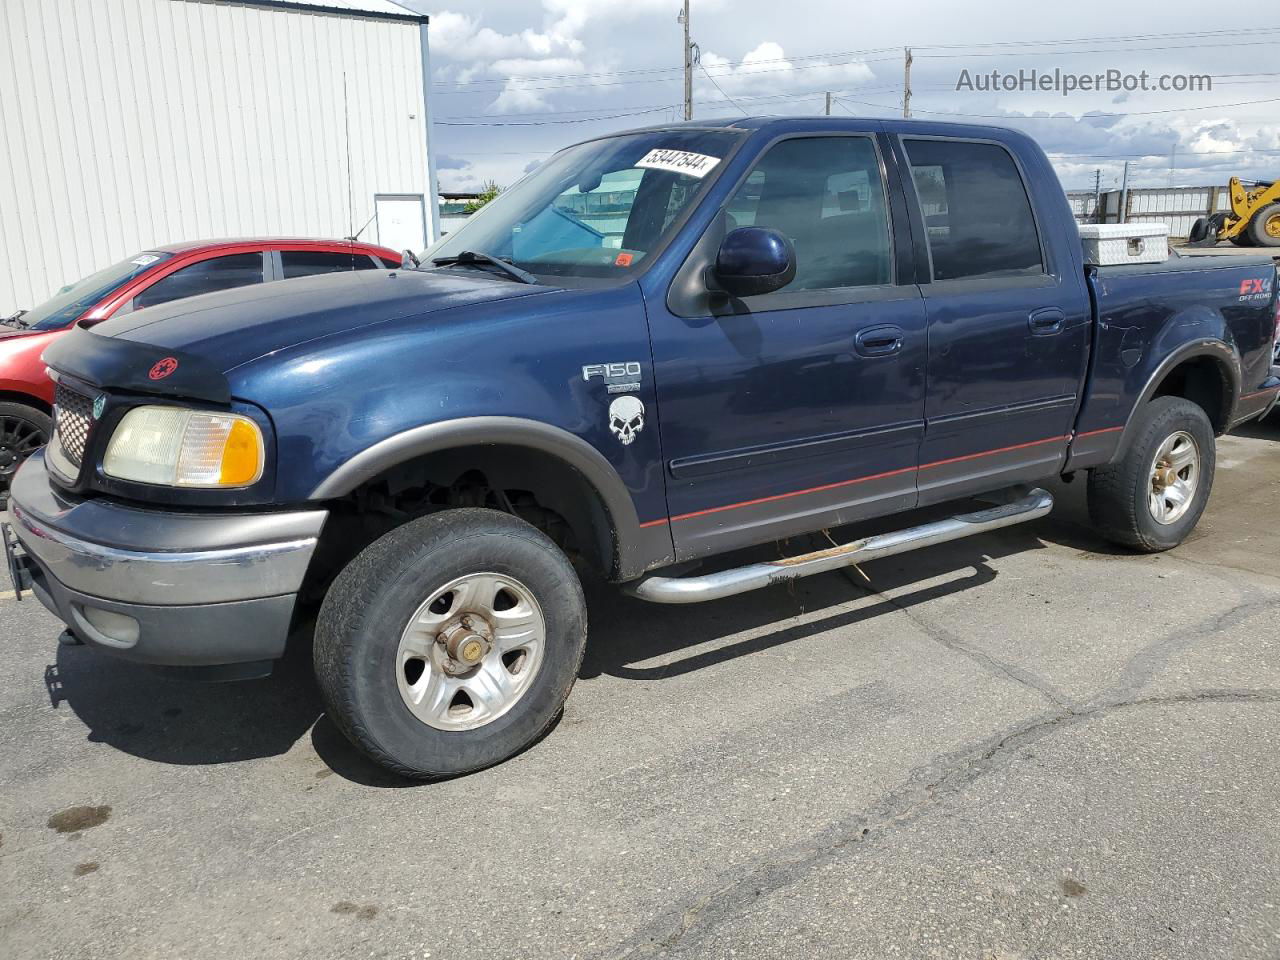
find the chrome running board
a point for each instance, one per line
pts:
(726, 583)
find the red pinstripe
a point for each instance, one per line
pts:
(848, 483)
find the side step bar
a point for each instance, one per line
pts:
(726, 583)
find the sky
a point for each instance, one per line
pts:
(515, 80)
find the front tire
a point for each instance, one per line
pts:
(451, 643)
(1152, 498)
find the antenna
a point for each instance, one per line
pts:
(351, 196)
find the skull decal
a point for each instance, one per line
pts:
(626, 418)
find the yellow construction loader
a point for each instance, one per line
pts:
(1254, 220)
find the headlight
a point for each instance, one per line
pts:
(177, 447)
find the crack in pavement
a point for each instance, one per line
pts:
(989, 663)
(1196, 562)
(926, 785)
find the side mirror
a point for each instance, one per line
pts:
(754, 260)
(410, 259)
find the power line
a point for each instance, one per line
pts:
(1060, 116)
(1130, 50)
(731, 71)
(1142, 156)
(852, 57)
(799, 95)
(721, 89)
(856, 54)
(1114, 38)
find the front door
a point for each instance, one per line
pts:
(1008, 329)
(803, 408)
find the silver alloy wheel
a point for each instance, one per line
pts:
(470, 651)
(1175, 476)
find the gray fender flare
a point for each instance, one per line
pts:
(1217, 350)
(509, 431)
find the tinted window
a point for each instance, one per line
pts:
(206, 276)
(976, 212)
(74, 299)
(825, 194)
(307, 263)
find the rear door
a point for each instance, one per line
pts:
(1008, 327)
(802, 408)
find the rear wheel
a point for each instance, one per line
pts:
(1153, 497)
(451, 643)
(23, 431)
(1264, 228)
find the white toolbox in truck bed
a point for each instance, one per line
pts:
(1109, 244)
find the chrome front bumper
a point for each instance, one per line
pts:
(181, 589)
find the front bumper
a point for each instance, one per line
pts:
(158, 586)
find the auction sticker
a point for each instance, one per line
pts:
(678, 161)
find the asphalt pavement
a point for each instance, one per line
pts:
(1023, 745)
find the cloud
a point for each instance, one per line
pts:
(446, 162)
(766, 69)
(457, 36)
(532, 165)
(518, 96)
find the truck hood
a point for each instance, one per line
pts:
(235, 327)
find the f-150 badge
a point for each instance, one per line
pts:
(618, 377)
(626, 419)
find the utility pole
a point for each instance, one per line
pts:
(828, 113)
(1173, 161)
(1097, 195)
(1122, 215)
(906, 83)
(688, 64)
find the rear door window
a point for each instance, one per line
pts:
(977, 214)
(308, 263)
(204, 276)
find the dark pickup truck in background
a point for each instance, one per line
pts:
(659, 346)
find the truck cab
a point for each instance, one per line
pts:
(659, 347)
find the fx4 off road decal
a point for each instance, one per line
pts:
(1255, 290)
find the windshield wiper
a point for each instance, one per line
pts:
(472, 258)
(15, 320)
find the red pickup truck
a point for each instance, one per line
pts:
(152, 277)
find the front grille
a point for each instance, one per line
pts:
(72, 420)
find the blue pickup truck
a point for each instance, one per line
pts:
(657, 348)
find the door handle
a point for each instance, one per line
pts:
(1046, 322)
(882, 341)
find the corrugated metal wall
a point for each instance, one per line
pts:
(1179, 207)
(130, 123)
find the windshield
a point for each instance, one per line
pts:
(598, 209)
(70, 302)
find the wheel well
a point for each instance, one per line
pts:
(26, 399)
(528, 483)
(1204, 382)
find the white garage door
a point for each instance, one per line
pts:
(401, 221)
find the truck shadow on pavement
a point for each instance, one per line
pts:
(134, 709)
(169, 720)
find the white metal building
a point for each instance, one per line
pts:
(125, 124)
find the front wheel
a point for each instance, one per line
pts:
(451, 643)
(1152, 498)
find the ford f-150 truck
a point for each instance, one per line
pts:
(659, 346)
